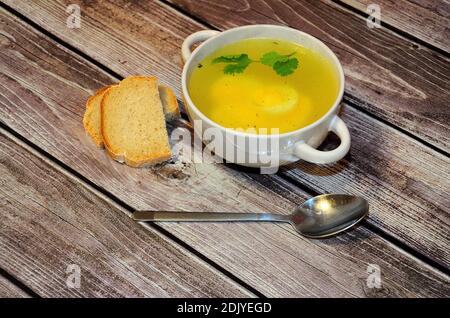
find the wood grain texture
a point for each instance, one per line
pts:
(9, 290)
(406, 184)
(389, 76)
(43, 87)
(421, 219)
(50, 220)
(427, 20)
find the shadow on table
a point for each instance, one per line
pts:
(330, 143)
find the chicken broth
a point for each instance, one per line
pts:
(264, 83)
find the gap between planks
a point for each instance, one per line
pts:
(386, 107)
(19, 289)
(348, 98)
(409, 36)
(376, 229)
(415, 253)
(115, 202)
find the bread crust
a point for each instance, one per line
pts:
(87, 122)
(172, 111)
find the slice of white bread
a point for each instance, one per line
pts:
(133, 124)
(91, 119)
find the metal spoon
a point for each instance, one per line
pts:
(318, 217)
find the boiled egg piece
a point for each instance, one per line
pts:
(275, 98)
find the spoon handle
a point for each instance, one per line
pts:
(173, 216)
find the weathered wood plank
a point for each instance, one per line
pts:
(9, 290)
(428, 20)
(391, 77)
(50, 221)
(379, 166)
(406, 184)
(43, 87)
(421, 221)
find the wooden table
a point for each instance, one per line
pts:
(63, 201)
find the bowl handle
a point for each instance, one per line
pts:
(194, 38)
(310, 154)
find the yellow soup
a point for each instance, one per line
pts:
(258, 97)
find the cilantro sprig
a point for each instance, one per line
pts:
(283, 65)
(235, 63)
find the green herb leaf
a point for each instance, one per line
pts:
(232, 69)
(285, 67)
(282, 64)
(236, 63)
(270, 58)
(230, 58)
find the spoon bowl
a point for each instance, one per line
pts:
(328, 214)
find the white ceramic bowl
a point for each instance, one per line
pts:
(292, 146)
